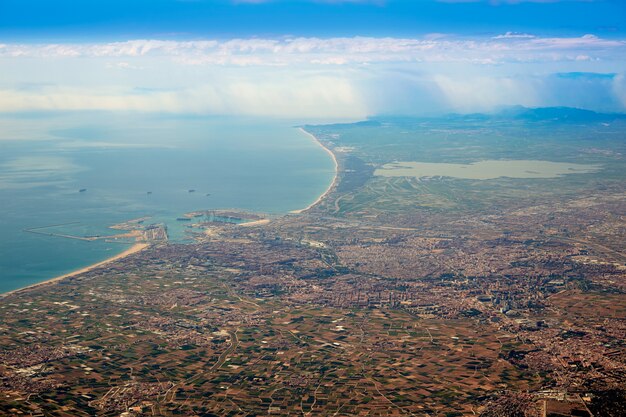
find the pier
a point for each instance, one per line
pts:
(133, 229)
(40, 231)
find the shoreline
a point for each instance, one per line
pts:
(135, 248)
(252, 223)
(138, 247)
(335, 178)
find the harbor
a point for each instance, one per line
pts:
(134, 231)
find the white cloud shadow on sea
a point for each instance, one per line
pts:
(37, 171)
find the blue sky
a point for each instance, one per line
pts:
(342, 59)
(122, 19)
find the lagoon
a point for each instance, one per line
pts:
(484, 170)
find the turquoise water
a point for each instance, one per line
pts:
(258, 165)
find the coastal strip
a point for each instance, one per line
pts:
(335, 178)
(260, 222)
(137, 247)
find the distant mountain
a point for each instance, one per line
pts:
(561, 114)
(370, 122)
(519, 113)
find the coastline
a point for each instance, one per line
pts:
(260, 222)
(137, 247)
(335, 178)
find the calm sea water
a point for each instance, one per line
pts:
(258, 165)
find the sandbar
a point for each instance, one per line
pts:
(332, 184)
(486, 170)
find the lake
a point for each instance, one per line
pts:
(484, 170)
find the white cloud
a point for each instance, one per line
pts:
(509, 47)
(485, 93)
(619, 87)
(310, 77)
(514, 35)
(315, 96)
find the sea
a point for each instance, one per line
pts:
(79, 173)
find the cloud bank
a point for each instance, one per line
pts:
(508, 47)
(343, 77)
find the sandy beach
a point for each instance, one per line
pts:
(332, 184)
(255, 223)
(137, 247)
